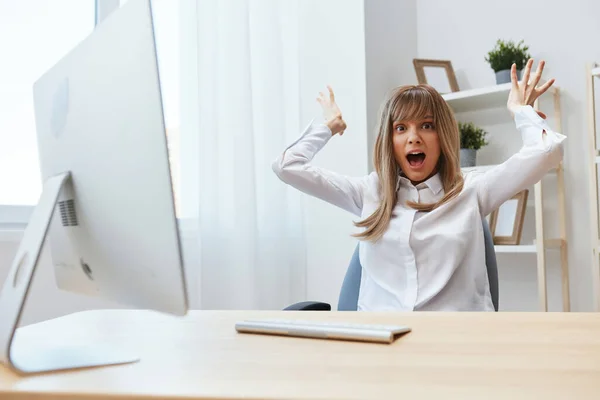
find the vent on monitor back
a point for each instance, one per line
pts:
(68, 215)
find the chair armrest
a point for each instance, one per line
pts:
(308, 306)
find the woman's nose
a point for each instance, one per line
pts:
(414, 139)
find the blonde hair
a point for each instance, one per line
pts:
(412, 102)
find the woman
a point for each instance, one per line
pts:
(421, 236)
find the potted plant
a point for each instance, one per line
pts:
(472, 138)
(503, 55)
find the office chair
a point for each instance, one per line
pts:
(348, 298)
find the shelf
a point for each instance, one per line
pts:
(522, 248)
(528, 248)
(494, 99)
(596, 71)
(481, 98)
(483, 168)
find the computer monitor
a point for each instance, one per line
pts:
(107, 207)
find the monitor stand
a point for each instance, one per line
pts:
(26, 356)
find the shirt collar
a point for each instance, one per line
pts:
(434, 183)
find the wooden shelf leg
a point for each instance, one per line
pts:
(593, 187)
(540, 238)
(557, 112)
(564, 262)
(596, 277)
(560, 184)
(541, 251)
(564, 254)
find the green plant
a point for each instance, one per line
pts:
(471, 136)
(505, 53)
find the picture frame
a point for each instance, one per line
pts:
(436, 73)
(506, 222)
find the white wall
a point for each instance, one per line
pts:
(390, 46)
(33, 36)
(332, 51)
(562, 34)
(364, 54)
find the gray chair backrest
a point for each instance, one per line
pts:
(348, 299)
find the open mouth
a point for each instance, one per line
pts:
(415, 159)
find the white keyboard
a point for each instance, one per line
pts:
(323, 330)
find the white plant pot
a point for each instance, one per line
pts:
(468, 158)
(503, 76)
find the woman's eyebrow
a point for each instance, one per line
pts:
(397, 121)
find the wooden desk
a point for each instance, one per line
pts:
(446, 356)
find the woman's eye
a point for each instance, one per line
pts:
(400, 128)
(428, 125)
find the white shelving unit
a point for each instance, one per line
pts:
(523, 248)
(478, 99)
(496, 97)
(592, 73)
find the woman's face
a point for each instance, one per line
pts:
(416, 148)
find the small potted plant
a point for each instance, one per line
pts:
(472, 138)
(503, 55)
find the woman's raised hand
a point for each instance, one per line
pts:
(526, 92)
(331, 112)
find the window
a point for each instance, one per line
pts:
(165, 14)
(34, 35)
(166, 18)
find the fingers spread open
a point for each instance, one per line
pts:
(540, 67)
(538, 74)
(527, 72)
(331, 95)
(546, 86)
(513, 75)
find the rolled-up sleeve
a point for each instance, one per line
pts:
(542, 150)
(294, 167)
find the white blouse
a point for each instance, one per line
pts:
(426, 260)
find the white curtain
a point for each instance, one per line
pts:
(251, 237)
